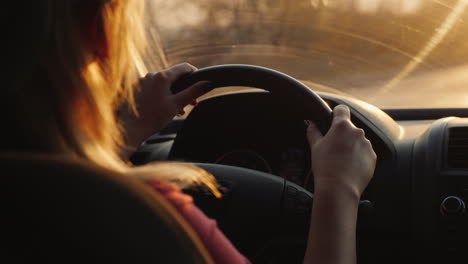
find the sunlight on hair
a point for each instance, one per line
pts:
(184, 175)
(139, 63)
(104, 157)
(93, 74)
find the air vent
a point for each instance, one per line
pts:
(158, 140)
(457, 152)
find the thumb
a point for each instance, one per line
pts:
(313, 134)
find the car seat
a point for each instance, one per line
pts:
(62, 210)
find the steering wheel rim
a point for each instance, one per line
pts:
(261, 214)
(277, 83)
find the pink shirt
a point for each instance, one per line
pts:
(219, 247)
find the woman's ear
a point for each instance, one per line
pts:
(93, 31)
(99, 40)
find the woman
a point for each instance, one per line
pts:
(86, 73)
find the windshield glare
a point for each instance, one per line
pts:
(391, 53)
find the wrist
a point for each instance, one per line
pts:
(339, 192)
(332, 234)
(133, 136)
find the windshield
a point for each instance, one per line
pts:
(391, 53)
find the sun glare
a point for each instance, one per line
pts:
(436, 39)
(401, 7)
(367, 6)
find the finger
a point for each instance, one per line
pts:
(313, 134)
(175, 72)
(340, 113)
(187, 96)
(195, 102)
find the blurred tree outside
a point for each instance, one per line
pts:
(344, 44)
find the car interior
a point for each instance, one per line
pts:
(414, 204)
(400, 66)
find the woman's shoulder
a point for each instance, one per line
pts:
(220, 248)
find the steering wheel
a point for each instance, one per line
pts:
(285, 88)
(258, 209)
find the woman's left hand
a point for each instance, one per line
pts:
(157, 105)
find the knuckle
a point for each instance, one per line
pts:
(341, 124)
(342, 106)
(149, 75)
(187, 66)
(161, 76)
(157, 74)
(371, 150)
(356, 133)
(342, 109)
(360, 132)
(368, 144)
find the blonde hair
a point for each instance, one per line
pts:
(92, 86)
(75, 92)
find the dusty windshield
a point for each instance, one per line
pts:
(391, 53)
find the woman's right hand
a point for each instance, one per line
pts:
(343, 163)
(343, 160)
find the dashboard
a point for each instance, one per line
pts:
(249, 130)
(250, 136)
(419, 189)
